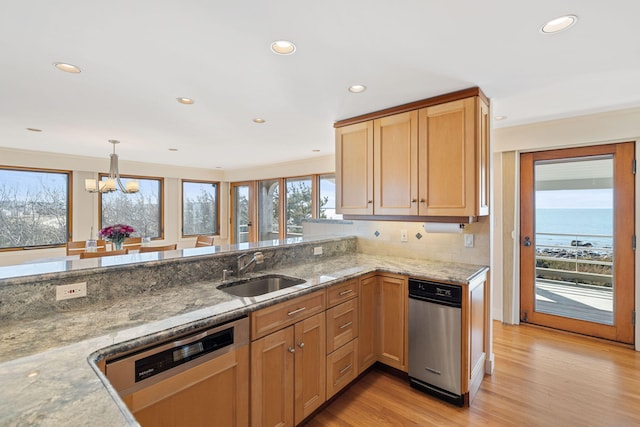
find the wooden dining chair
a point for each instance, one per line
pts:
(144, 249)
(76, 248)
(84, 255)
(132, 243)
(204, 241)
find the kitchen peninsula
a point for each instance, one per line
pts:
(48, 350)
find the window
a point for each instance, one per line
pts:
(327, 197)
(269, 209)
(299, 204)
(141, 210)
(34, 207)
(200, 208)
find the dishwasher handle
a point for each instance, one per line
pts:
(436, 301)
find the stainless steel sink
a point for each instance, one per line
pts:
(259, 285)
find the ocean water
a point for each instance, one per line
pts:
(574, 224)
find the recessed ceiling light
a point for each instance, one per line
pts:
(67, 68)
(185, 101)
(218, 167)
(34, 130)
(357, 88)
(173, 149)
(259, 120)
(559, 24)
(283, 47)
(316, 150)
(500, 117)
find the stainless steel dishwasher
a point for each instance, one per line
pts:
(200, 379)
(435, 318)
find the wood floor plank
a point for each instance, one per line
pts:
(542, 378)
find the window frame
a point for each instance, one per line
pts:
(160, 201)
(314, 203)
(217, 205)
(69, 231)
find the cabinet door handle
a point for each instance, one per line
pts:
(343, 293)
(345, 369)
(421, 200)
(301, 344)
(292, 350)
(370, 201)
(291, 313)
(346, 325)
(414, 200)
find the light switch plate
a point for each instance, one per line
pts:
(317, 250)
(468, 240)
(403, 236)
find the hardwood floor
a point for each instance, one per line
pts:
(542, 378)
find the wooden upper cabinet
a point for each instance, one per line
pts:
(354, 169)
(447, 159)
(426, 159)
(395, 164)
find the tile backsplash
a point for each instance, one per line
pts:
(384, 238)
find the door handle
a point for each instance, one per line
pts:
(527, 241)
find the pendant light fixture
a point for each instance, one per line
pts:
(97, 186)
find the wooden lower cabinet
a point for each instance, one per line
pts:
(474, 333)
(342, 367)
(221, 385)
(310, 360)
(288, 373)
(272, 379)
(392, 321)
(368, 318)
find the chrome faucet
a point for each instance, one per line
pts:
(258, 258)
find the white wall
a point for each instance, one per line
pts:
(85, 205)
(508, 143)
(315, 165)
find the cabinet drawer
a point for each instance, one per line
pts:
(278, 316)
(341, 367)
(342, 292)
(342, 324)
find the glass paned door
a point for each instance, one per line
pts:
(577, 268)
(269, 209)
(243, 209)
(574, 238)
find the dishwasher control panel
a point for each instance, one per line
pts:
(438, 292)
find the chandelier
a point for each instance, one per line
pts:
(97, 186)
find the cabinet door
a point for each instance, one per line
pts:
(395, 170)
(215, 390)
(272, 370)
(310, 366)
(354, 169)
(447, 151)
(368, 316)
(392, 321)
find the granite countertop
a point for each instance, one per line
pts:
(47, 366)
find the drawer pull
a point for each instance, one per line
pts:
(343, 293)
(346, 325)
(345, 369)
(292, 350)
(291, 313)
(301, 344)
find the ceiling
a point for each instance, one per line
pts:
(137, 57)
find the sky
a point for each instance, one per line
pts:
(575, 199)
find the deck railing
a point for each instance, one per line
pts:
(577, 258)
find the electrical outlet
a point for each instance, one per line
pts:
(317, 250)
(74, 290)
(403, 236)
(468, 240)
